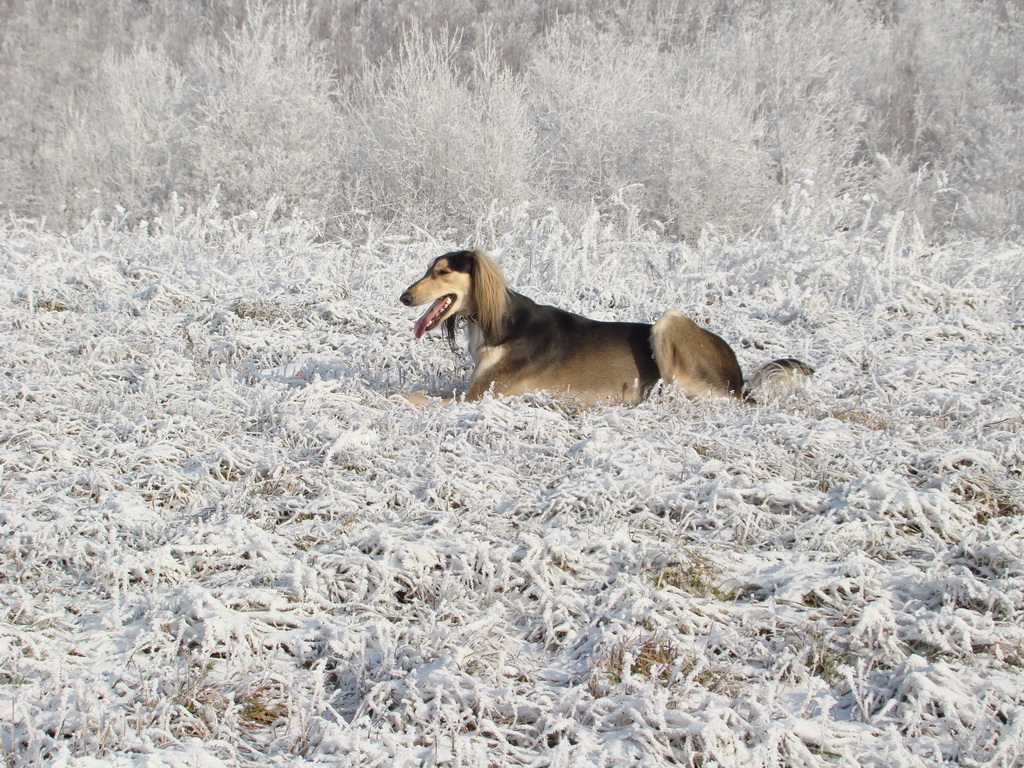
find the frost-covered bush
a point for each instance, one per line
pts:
(702, 115)
(129, 143)
(436, 146)
(614, 114)
(796, 63)
(943, 97)
(252, 119)
(266, 126)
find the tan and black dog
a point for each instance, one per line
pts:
(520, 346)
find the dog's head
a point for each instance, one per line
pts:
(447, 286)
(466, 283)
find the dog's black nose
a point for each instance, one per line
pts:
(406, 298)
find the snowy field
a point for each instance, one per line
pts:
(226, 540)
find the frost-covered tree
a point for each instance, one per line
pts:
(694, 114)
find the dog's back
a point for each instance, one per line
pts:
(545, 347)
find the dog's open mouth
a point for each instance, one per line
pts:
(433, 315)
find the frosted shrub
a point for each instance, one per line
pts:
(802, 58)
(436, 145)
(693, 115)
(266, 127)
(127, 144)
(253, 120)
(719, 171)
(591, 98)
(613, 113)
(943, 97)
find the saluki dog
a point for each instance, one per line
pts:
(520, 346)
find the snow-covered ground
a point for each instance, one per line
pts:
(225, 539)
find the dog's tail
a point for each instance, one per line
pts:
(776, 377)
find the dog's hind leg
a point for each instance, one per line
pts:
(694, 359)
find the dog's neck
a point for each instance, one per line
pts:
(477, 343)
(480, 341)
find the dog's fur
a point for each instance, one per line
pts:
(520, 346)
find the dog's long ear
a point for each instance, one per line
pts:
(490, 294)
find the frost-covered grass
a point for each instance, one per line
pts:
(208, 560)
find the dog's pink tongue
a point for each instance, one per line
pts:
(421, 326)
(427, 318)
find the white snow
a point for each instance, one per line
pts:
(226, 539)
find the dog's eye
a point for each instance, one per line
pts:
(443, 272)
